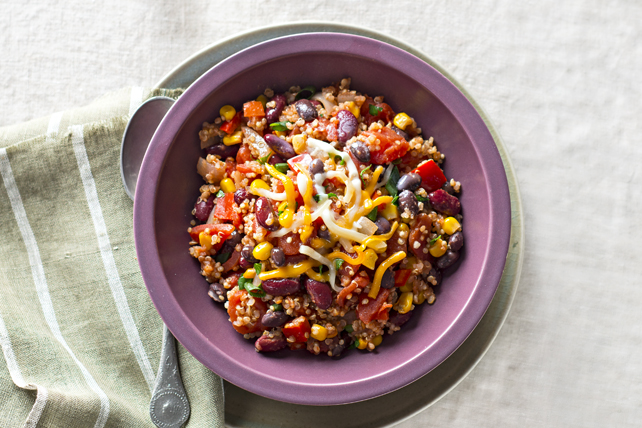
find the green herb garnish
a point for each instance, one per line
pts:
(279, 126)
(374, 110)
(395, 199)
(242, 281)
(354, 344)
(391, 185)
(220, 194)
(265, 158)
(257, 268)
(332, 195)
(372, 215)
(349, 328)
(421, 198)
(396, 161)
(282, 167)
(306, 93)
(338, 263)
(432, 241)
(321, 268)
(317, 198)
(222, 257)
(276, 307)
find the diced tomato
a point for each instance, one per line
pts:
(343, 270)
(234, 298)
(222, 230)
(358, 281)
(244, 154)
(257, 228)
(290, 248)
(297, 329)
(402, 276)
(247, 167)
(327, 130)
(386, 114)
(230, 167)
(303, 160)
(230, 126)
(226, 209)
(253, 109)
(373, 308)
(432, 177)
(391, 146)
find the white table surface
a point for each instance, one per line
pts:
(561, 81)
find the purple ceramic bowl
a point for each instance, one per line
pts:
(168, 186)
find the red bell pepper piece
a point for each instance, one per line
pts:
(226, 209)
(230, 126)
(373, 308)
(402, 276)
(432, 177)
(222, 230)
(303, 160)
(297, 329)
(253, 109)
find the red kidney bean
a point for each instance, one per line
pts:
(203, 209)
(245, 263)
(320, 292)
(217, 292)
(265, 214)
(401, 133)
(388, 279)
(447, 259)
(306, 110)
(274, 159)
(408, 200)
(270, 344)
(223, 151)
(383, 226)
(242, 194)
(361, 152)
(272, 115)
(278, 257)
(410, 181)
(399, 319)
(280, 146)
(274, 319)
(456, 241)
(281, 286)
(444, 203)
(348, 125)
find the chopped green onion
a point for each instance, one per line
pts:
(220, 194)
(421, 198)
(302, 93)
(321, 268)
(374, 110)
(276, 307)
(349, 328)
(222, 257)
(317, 198)
(372, 215)
(342, 162)
(391, 185)
(282, 167)
(432, 241)
(332, 195)
(364, 170)
(279, 126)
(338, 263)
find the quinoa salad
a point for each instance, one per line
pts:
(325, 218)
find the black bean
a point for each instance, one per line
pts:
(447, 259)
(399, 319)
(360, 151)
(281, 286)
(410, 181)
(456, 241)
(246, 253)
(265, 214)
(383, 226)
(240, 195)
(203, 209)
(320, 292)
(272, 115)
(408, 200)
(323, 234)
(317, 167)
(348, 125)
(297, 258)
(401, 133)
(270, 344)
(448, 188)
(306, 110)
(231, 242)
(217, 292)
(435, 273)
(278, 257)
(444, 203)
(388, 279)
(223, 151)
(274, 319)
(280, 146)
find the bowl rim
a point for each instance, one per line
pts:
(309, 393)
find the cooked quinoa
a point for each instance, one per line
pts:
(324, 220)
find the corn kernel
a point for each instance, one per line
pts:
(228, 112)
(262, 99)
(421, 298)
(299, 142)
(228, 185)
(205, 240)
(405, 303)
(404, 228)
(451, 225)
(437, 249)
(406, 287)
(377, 340)
(262, 251)
(333, 334)
(258, 184)
(402, 120)
(390, 212)
(281, 134)
(354, 109)
(236, 138)
(319, 332)
(370, 259)
(362, 344)
(249, 274)
(318, 243)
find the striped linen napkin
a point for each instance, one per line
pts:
(80, 336)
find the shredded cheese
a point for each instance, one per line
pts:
(376, 282)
